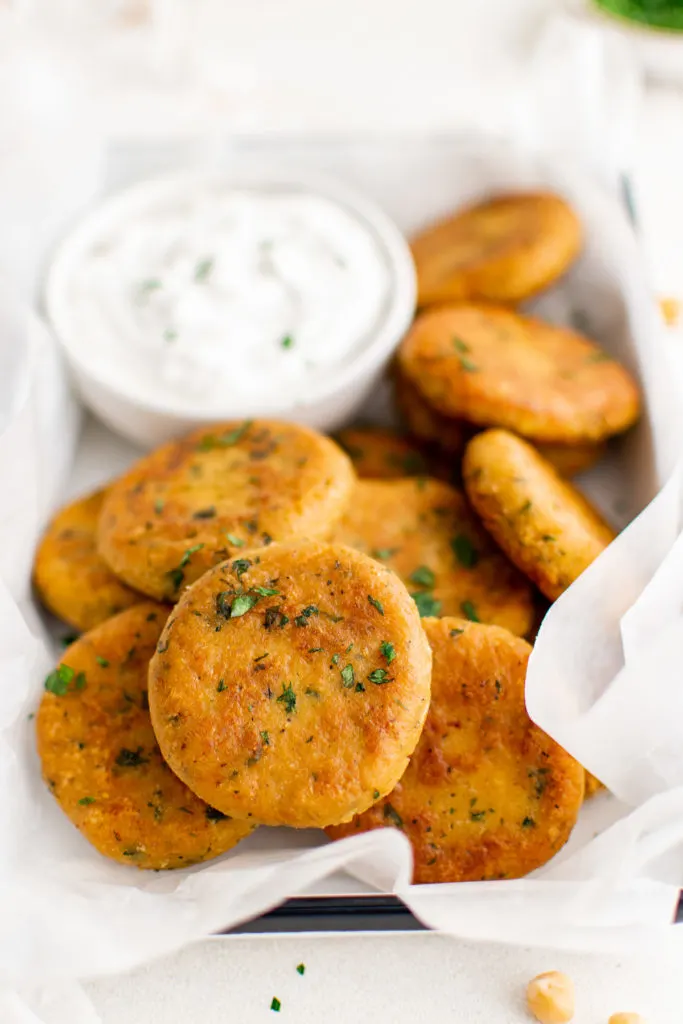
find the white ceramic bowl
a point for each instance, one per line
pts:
(151, 422)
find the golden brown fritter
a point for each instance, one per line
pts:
(544, 525)
(425, 422)
(571, 459)
(69, 575)
(194, 502)
(492, 367)
(486, 794)
(290, 686)
(500, 250)
(382, 454)
(101, 759)
(425, 531)
(451, 435)
(593, 785)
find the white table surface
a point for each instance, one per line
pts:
(302, 64)
(388, 979)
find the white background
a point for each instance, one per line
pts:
(372, 65)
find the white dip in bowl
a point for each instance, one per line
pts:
(197, 298)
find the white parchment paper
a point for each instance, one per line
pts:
(604, 678)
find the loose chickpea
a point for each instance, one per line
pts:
(550, 997)
(626, 1018)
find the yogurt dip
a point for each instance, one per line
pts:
(194, 293)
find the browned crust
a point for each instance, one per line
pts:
(487, 794)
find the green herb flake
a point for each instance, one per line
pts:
(235, 541)
(242, 604)
(467, 365)
(375, 794)
(58, 681)
(528, 823)
(240, 566)
(274, 617)
(335, 659)
(423, 577)
(79, 681)
(301, 969)
(525, 508)
(69, 639)
(265, 739)
(150, 284)
(176, 576)
(130, 758)
(469, 611)
(379, 676)
(287, 341)
(388, 651)
(266, 591)
(348, 678)
(221, 685)
(210, 441)
(262, 656)
(275, 1004)
(459, 345)
(384, 554)
(548, 538)
(308, 611)
(205, 513)
(288, 698)
(204, 268)
(360, 688)
(477, 815)
(101, 661)
(316, 650)
(465, 551)
(392, 815)
(456, 632)
(539, 776)
(375, 604)
(85, 801)
(427, 604)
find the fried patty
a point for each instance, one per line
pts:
(544, 525)
(450, 435)
(492, 367)
(101, 759)
(487, 794)
(501, 250)
(290, 686)
(425, 422)
(194, 502)
(382, 454)
(425, 532)
(71, 578)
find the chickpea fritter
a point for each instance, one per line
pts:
(380, 454)
(544, 525)
(425, 531)
(71, 578)
(422, 420)
(194, 502)
(290, 685)
(504, 249)
(101, 759)
(486, 794)
(451, 435)
(495, 368)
